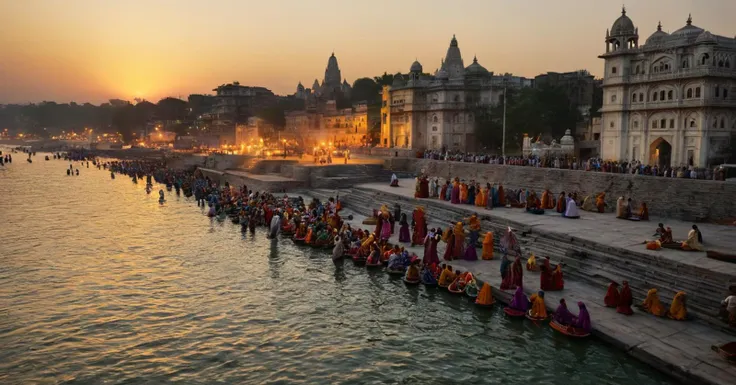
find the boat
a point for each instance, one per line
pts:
(471, 290)
(395, 272)
(358, 259)
(298, 241)
(411, 281)
(373, 265)
(712, 254)
(454, 289)
(529, 316)
(727, 351)
(569, 331)
(511, 312)
(484, 305)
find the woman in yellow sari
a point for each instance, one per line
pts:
(447, 277)
(485, 296)
(480, 196)
(538, 310)
(653, 305)
(487, 247)
(458, 250)
(463, 192)
(531, 263)
(678, 311)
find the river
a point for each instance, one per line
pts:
(101, 284)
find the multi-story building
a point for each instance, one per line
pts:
(338, 127)
(421, 111)
(253, 132)
(234, 104)
(670, 101)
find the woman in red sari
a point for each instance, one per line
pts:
(545, 278)
(612, 297)
(449, 238)
(517, 273)
(558, 283)
(420, 227)
(625, 300)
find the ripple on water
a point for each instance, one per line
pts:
(101, 284)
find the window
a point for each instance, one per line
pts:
(613, 98)
(596, 136)
(613, 70)
(633, 97)
(641, 96)
(689, 93)
(637, 70)
(672, 123)
(725, 93)
(457, 98)
(704, 59)
(669, 95)
(654, 96)
(636, 124)
(435, 119)
(611, 125)
(663, 123)
(692, 124)
(654, 124)
(661, 95)
(697, 92)
(685, 64)
(718, 91)
(728, 64)
(720, 64)
(434, 129)
(723, 123)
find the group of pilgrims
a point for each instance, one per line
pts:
(457, 191)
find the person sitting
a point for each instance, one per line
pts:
(561, 206)
(728, 307)
(412, 273)
(625, 300)
(620, 208)
(428, 277)
(446, 277)
(538, 310)
(558, 282)
(520, 302)
(531, 263)
(460, 281)
(533, 205)
(562, 315)
(374, 258)
(652, 304)
(600, 202)
(612, 296)
(583, 319)
(485, 296)
(693, 241)
(394, 181)
(571, 210)
(678, 310)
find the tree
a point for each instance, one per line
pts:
(384, 80)
(366, 89)
(274, 116)
(171, 109)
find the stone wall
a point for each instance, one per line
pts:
(684, 199)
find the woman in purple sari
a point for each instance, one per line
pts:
(583, 321)
(471, 254)
(519, 301)
(563, 316)
(455, 194)
(404, 234)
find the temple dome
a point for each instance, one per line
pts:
(476, 69)
(416, 67)
(688, 30)
(398, 80)
(442, 74)
(658, 37)
(567, 140)
(623, 25)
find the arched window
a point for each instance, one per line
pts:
(689, 93)
(663, 123)
(728, 64)
(697, 92)
(720, 64)
(654, 96)
(692, 124)
(672, 123)
(704, 59)
(723, 123)
(685, 64)
(641, 96)
(613, 98)
(636, 124)
(669, 95)
(666, 67)
(435, 119)
(613, 70)
(661, 95)
(633, 97)
(725, 93)
(718, 91)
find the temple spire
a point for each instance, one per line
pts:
(689, 19)
(623, 9)
(659, 26)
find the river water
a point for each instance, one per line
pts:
(99, 284)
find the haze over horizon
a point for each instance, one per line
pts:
(90, 51)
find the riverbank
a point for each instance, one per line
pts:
(679, 349)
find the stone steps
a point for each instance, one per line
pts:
(591, 262)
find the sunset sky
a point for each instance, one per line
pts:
(94, 50)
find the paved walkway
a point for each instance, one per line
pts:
(606, 229)
(680, 349)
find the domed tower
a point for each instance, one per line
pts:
(415, 71)
(454, 61)
(658, 37)
(623, 34)
(333, 78)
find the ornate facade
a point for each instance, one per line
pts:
(670, 101)
(333, 126)
(422, 111)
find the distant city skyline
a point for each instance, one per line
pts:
(91, 51)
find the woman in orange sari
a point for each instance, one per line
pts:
(487, 246)
(643, 212)
(480, 195)
(458, 250)
(545, 199)
(463, 192)
(561, 203)
(600, 202)
(420, 226)
(653, 305)
(486, 195)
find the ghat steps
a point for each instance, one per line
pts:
(592, 262)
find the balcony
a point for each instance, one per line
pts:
(673, 75)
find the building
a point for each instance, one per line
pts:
(253, 132)
(234, 104)
(438, 111)
(331, 126)
(333, 85)
(670, 101)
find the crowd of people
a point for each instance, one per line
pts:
(572, 163)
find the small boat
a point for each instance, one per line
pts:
(358, 259)
(395, 272)
(373, 265)
(712, 254)
(471, 291)
(484, 305)
(511, 312)
(443, 286)
(569, 331)
(455, 290)
(535, 319)
(411, 281)
(727, 351)
(298, 241)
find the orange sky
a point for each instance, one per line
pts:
(93, 50)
